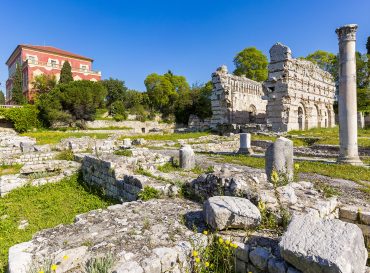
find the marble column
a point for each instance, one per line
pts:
(347, 95)
(245, 144)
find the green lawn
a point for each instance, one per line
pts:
(53, 137)
(171, 137)
(43, 207)
(353, 173)
(331, 135)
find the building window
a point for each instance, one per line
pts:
(31, 59)
(53, 63)
(84, 67)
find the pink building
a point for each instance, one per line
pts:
(37, 60)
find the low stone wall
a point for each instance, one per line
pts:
(138, 127)
(116, 175)
(31, 157)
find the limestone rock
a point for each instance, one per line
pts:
(279, 157)
(187, 157)
(259, 257)
(223, 212)
(314, 245)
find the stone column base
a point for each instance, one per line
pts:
(246, 151)
(356, 161)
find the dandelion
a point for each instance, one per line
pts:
(227, 242)
(220, 240)
(206, 264)
(53, 267)
(274, 176)
(205, 232)
(195, 253)
(197, 260)
(296, 166)
(65, 257)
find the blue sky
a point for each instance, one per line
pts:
(131, 39)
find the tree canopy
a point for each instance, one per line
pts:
(66, 73)
(116, 90)
(17, 90)
(326, 61)
(2, 98)
(44, 83)
(251, 63)
(75, 101)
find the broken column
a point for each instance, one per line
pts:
(347, 95)
(187, 157)
(245, 144)
(279, 157)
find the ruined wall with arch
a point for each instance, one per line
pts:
(236, 100)
(294, 84)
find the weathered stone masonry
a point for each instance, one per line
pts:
(298, 95)
(236, 100)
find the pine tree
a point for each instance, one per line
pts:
(17, 90)
(2, 98)
(66, 73)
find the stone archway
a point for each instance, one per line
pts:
(252, 113)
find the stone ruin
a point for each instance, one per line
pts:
(298, 95)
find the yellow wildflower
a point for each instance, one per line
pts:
(227, 242)
(65, 257)
(220, 240)
(206, 264)
(197, 260)
(205, 232)
(296, 166)
(41, 271)
(235, 246)
(227, 248)
(54, 267)
(274, 176)
(195, 253)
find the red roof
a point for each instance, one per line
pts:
(51, 49)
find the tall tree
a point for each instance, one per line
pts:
(17, 90)
(326, 61)
(362, 70)
(66, 73)
(252, 63)
(368, 45)
(116, 90)
(2, 98)
(44, 83)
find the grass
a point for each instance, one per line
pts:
(10, 169)
(331, 135)
(53, 137)
(169, 167)
(348, 172)
(65, 155)
(125, 152)
(43, 207)
(149, 193)
(169, 137)
(111, 128)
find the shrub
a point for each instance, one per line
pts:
(119, 117)
(23, 119)
(100, 264)
(125, 152)
(149, 193)
(117, 108)
(65, 155)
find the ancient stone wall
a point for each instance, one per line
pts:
(300, 94)
(236, 100)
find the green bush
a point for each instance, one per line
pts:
(66, 155)
(120, 117)
(23, 118)
(123, 152)
(149, 193)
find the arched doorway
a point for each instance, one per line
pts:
(252, 113)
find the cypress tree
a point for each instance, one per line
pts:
(368, 45)
(17, 90)
(2, 98)
(66, 73)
